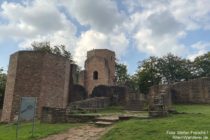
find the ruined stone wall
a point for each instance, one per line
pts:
(192, 91)
(74, 75)
(59, 115)
(159, 95)
(36, 74)
(55, 81)
(108, 55)
(117, 94)
(135, 101)
(96, 64)
(53, 115)
(77, 93)
(155, 91)
(103, 62)
(94, 103)
(82, 78)
(10, 87)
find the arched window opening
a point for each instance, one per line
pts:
(95, 75)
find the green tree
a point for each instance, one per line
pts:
(42, 46)
(57, 50)
(167, 69)
(202, 65)
(66, 53)
(132, 83)
(147, 74)
(121, 73)
(3, 78)
(173, 68)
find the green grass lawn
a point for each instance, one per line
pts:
(198, 119)
(8, 131)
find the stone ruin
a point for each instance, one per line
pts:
(160, 103)
(193, 91)
(52, 80)
(37, 74)
(99, 69)
(136, 101)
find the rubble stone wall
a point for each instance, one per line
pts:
(101, 61)
(97, 102)
(192, 91)
(58, 115)
(117, 94)
(36, 74)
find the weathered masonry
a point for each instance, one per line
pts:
(192, 91)
(99, 69)
(37, 74)
(52, 79)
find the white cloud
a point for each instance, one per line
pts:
(43, 21)
(201, 45)
(96, 40)
(156, 32)
(101, 15)
(199, 48)
(163, 23)
(154, 45)
(37, 18)
(158, 26)
(155, 26)
(37, 21)
(194, 14)
(57, 38)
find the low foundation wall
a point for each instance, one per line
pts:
(135, 105)
(192, 91)
(53, 115)
(117, 94)
(58, 115)
(97, 102)
(80, 118)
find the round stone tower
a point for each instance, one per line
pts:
(99, 68)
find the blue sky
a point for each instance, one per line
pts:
(134, 29)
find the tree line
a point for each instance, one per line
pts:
(167, 69)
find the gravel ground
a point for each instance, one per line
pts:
(85, 132)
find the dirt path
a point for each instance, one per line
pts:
(85, 132)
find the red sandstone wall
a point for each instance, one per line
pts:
(55, 81)
(108, 55)
(82, 78)
(36, 74)
(10, 86)
(193, 91)
(102, 61)
(96, 64)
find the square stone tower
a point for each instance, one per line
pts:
(99, 69)
(36, 74)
